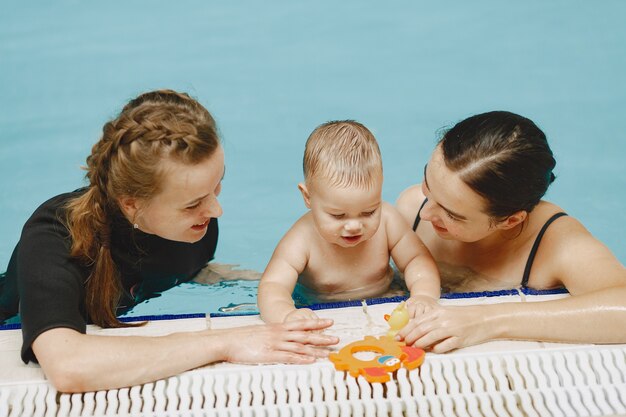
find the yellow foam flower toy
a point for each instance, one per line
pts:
(389, 354)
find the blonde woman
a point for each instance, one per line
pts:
(146, 221)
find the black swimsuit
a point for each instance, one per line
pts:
(48, 285)
(533, 251)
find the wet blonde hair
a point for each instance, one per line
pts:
(345, 153)
(127, 162)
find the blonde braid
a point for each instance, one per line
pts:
(126, 161)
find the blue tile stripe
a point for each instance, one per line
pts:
(338, 304)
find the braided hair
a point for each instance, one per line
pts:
(157, 125)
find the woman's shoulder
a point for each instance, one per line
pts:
(572, 254)
(59, 200)
(409, 201)
(547, 212)
(51, 210)
(553, 225)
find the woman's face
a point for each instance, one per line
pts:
(454, 210)
(187, 201)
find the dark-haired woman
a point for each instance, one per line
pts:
(146, 221)
(479, 211)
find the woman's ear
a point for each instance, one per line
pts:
(129, 206)
(513, 220)
(305, 194)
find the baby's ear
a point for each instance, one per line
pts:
(305, 194)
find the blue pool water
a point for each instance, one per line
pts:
(271, 71)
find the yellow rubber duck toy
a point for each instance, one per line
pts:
(398, 318)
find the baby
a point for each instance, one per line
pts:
(340, 248)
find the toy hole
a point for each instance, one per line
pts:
(365, 355)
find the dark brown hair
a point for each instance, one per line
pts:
(125, 161)
(502, 156)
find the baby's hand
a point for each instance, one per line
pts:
(420, 304)
(301, 314)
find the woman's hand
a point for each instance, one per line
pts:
(298, 341)
(445, 328)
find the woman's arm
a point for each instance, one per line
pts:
(598, 317)
(76, 362)
(595, 312)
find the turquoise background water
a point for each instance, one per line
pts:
(271, 71)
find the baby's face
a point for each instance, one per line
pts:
(345, 216)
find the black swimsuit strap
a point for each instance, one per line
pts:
(533, 251)
(418, 218)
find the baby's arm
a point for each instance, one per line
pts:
(414, 260)
(280, 277)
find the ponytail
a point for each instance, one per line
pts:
(88, 223)
(126, 161)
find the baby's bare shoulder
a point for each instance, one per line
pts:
(390, 215)
(300, 230)
(304, 226)
(295, 246)
(410, 196)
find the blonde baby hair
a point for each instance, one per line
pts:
(343, 152)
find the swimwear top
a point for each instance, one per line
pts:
(48, 284)
(418, 218)
(533, 250)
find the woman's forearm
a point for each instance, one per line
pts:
(76, 362)
(597, 317)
